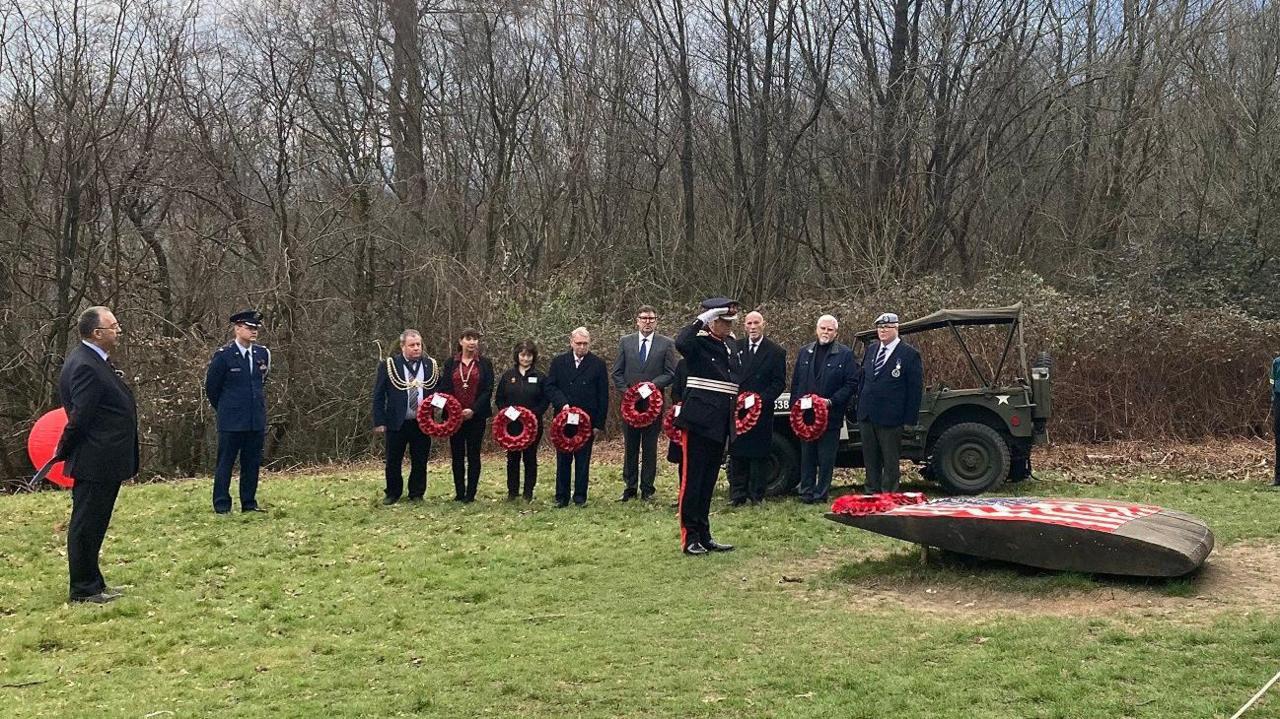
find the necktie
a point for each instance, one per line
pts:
(248, 358)
(880, 358)
(644, 349)
(414, 390)
(754, 345)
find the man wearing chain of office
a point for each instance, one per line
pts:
(402, 381)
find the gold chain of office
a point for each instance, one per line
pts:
(399, 383)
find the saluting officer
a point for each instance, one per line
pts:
(711, 393)
(234, 385)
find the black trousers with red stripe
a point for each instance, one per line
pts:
(701, 467)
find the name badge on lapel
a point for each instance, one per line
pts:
(897, 369)
(533, 380)
(235, 369)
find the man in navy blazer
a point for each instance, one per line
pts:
(828, 369)
(401, 384)
(100, 445)
(892, 386)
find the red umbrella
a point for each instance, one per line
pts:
(43, 441)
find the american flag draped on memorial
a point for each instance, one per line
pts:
(1066, 512)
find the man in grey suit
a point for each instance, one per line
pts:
(645, 356)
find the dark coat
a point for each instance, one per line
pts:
(766, 375)
(707, 413)
(529, 391)
(886, 399)
(237, 391)
(484, 391)
(100, 441)
(585, 387)
(837, 380)
(389, 403)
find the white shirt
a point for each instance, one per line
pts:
(246, 353)
(753, 345)
(101, 352)
(889, 348)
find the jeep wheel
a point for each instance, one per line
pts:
(784, 466)
(970, 458)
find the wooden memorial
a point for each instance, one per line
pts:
(1079, 535)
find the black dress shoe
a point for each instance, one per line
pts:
(415, 500)
(627, 496)
(737, 502)
(715, 546)
(695, 550)
(561, 503)
(222, 511)
(254, 508)
(99, 598)
(386, 501)
(647, 496)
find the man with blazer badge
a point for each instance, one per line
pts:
(764, 371)
(828, 369)
(892, 387)
(645, 356)
(711, 393)
(235, 385)
(401, 383)
(99, 444)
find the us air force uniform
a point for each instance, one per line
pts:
(234, 384)
(710, 396)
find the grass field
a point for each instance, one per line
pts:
(333, 606)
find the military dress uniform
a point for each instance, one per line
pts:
(710, 396)
(235, 385)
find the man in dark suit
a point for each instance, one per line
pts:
(711, 392)
(645, 356)
(764, 371)
(402, 382)
(578, 378)
(234, 384)
(893, 384)
(828, 369)
(99, 444)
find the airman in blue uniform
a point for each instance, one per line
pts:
(235, 385)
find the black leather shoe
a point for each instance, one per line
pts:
(253, 509)
(99, 598)
(737, 502)
(695, 550)
(386, 501)
(808, 500)
(415, 500)
(627, 497)
(222, 511)
(647, 497)
(561, 503)
(715, 546)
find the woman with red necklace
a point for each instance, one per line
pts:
(468, 376)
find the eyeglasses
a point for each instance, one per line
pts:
(114, 328)
(647, 319)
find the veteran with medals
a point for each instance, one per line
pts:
(892, 387)
(401, 383)
(710, 396)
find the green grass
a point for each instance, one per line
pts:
(333, 606)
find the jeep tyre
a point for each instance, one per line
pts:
(784, 466)
(970, 458)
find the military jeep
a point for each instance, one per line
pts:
(967, 440)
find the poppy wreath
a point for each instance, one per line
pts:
(452, 415)
(803, 430)
(743, 423)
(860, 504)
(570, 443)
(631, 399)
(669, 428)
(515, 442)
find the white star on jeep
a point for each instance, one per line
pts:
(1002, 399)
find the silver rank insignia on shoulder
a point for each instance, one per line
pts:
(897, 369)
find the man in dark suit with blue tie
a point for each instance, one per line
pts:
(234, 384)
(99, 444)
(828, 369)
(402, 382)
(645, 356)
(892, 387)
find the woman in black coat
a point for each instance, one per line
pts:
(523, 386)
(468, 376)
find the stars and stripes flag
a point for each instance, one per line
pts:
(1065, 512)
